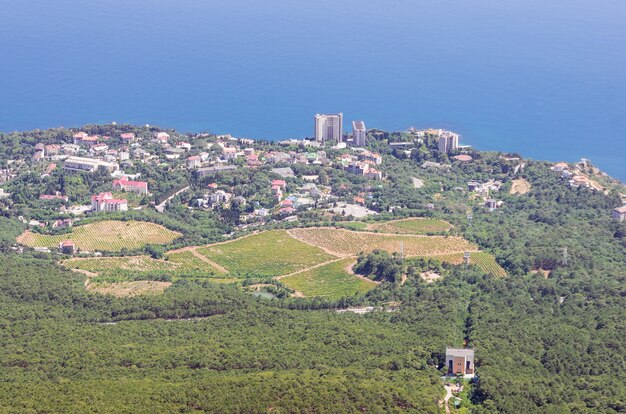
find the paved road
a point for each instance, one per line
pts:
(161, 207)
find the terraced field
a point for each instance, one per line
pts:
(414, 225)
(106, 236)
(481, 259)
(340, 242)
(332, 281)
(266, 254)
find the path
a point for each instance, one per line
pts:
(86, 273)
(161, 207)
(350, 270)
(207, 260)
(447, 397)
(308, 268)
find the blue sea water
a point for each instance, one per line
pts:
(546, 78)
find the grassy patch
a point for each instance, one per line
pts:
(331, 281)
(107, 235)
(270, 253)
(352, 225)
(126, 289)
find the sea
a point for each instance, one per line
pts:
(544, 78)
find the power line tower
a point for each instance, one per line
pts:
(466, 258)
(564, 258)
(470, 216)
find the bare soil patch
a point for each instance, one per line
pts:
(126, 289)
(519, 186)
(430, 277)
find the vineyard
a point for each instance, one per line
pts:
(483, 260)
(108, 235)
(332, 281)
(187, 261)
(266, 254)
(344, 243)
(183, 264)
(415, 225)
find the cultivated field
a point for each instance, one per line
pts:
(415, 225)
(108, 235)
(341, 242)
(519, 186)
(270, 253)
(481, 259)
(331, 281)
(178, 265)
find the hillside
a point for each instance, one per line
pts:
(227, 299)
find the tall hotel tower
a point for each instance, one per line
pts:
(329, 127)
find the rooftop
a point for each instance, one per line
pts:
(464, 352)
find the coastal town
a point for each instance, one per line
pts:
(300, 172)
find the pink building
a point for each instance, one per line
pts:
(138, 187)
(106, 202)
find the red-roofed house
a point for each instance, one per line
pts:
(79, 136)
(56, 196)
(138, 187)
(128, 137)
(277, 191)
(194, 161)
(51, 167)
(374, 174)
(67, 247)
(106, 202)
(280, 183)
(230, 153)
(162, 136)
(212, 185)
(286, 210)
(53, 149)
(286, 203)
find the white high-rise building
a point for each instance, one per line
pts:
(358, 133)
(329, 127)
(448, 141)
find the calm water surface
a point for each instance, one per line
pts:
(544, 78)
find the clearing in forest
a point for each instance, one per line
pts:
(124, 289)
(519, 186)
(340, 242)
(107, 235)
(266, 254)
(332, 280)
(413, 225)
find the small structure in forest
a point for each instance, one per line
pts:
(460, 361)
